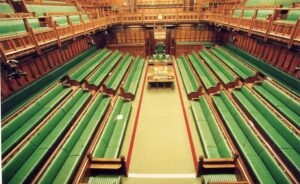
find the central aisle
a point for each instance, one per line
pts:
(161, 143)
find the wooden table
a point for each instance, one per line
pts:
(160, 76)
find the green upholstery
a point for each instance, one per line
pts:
(132, 81)
(263, 14)
(261, 163)
(6, 8)
(237, 13)
(281, 135)
(81, 73)
(288, 106)
(115, 79)
(224, 75)
(257, 3)
(61, 20)
(12, 26)
(75, 18)
(105, 179)
(190, 83)
(284, 79)
(203, 72)
(248, 13)
(239, 68)
(63, 168)
(21, 125)
(41, 9)
(103, 71)
(213, 141)
(28, 93)
(110, 142)
(24, 164)
(293, 15)
(85, 18)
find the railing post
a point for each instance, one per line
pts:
(32, 35)
(294, 33)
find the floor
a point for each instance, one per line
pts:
(161, 152)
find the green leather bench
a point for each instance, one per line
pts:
(28, 93)
(81, 73)
(132, 81)
(65, 163)
(288, 106)
(21, 125)
(102, 72)
(279, 133)
(110, 142)
(12, 27)
(239, 68)
(224, 75)
(203, 72)
(213, 142)
(6, 8)
(190, 83)
(290, 83)
(41, 9)
(261, 162)
(28, 160)
(115, 79)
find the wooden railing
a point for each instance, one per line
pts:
(13, 46)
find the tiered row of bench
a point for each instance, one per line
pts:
(260, 161)
(272, 110)
(107, 70)
(29, 159)
(60, 125)
(213, 67)
(281, 136)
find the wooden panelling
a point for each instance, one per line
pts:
(279, 56)
(38, 66)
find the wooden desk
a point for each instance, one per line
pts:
(160, 76)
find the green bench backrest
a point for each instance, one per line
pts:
(237, 13)
(34, 23)
(6, 8)
(62, 20)
(41, 9)
(8, 26)
(263, 14)
(75, 18)
(248, 13)
(293, 15)
(285, 3)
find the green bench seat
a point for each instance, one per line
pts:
(12, 27)
(288, 106)
(28, 160)
(30, 92)
(203, 72)
(103, 71)
(261, 162)
(63, 168)
(41, 9)
(239, 68)
(81, 73)
(290, 83)
(190, 83)
(110, 142)
(61, 20)
(224, 75)
(213, 141)
(115, 79)
(279, 133)
(21, 125)
(132, 81)
(6, 8)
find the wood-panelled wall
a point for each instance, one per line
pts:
(131, 40)
(279, 56)
(198, 34)
(38, 66)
